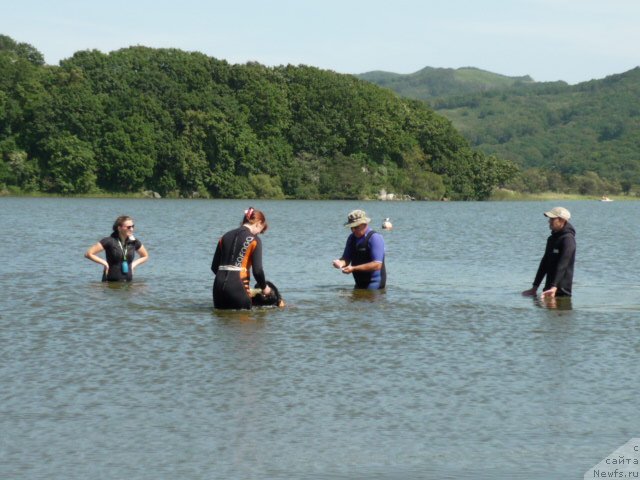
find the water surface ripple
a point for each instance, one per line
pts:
(450, 373)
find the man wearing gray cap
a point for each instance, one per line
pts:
(559, 257)
(363, 254)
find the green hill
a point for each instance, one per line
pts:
(583, 138)
(430, 83)
(185, 124)
(585, 132)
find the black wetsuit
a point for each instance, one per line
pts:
(238, 251)
(557, 261)
(113, 249)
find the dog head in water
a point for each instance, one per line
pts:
(274, 299)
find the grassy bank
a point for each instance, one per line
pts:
(12, 191)
(511, 195)
(498, 195)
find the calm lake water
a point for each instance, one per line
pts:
(450, 373)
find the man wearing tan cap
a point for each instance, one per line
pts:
(363, 254)
(559, 257)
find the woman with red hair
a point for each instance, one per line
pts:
(237, 252)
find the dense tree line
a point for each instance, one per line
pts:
(184, 124)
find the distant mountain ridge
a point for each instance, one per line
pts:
(430, 82)
(583, 137)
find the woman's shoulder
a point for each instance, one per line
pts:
(233, 231)
(107, 240)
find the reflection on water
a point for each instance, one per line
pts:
(553, 303)
(449, 373)
(232, 318)
(370, 296)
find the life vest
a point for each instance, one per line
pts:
(362, 254)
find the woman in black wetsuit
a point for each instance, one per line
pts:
(120, 249)
(238, 251)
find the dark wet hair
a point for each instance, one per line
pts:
(119, 221)
(274, 299)
(252, 216)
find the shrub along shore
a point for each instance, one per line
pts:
(499, 195)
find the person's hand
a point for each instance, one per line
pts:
(550, 302)
(347, 269)
(266, 290)
(531, 292)
(106, 269)
(550, 293)
(338, 263)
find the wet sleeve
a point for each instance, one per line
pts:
(568, 250)
(215, 263)
(256, 264)
(540, 273)
(376, 247)
(542, 268)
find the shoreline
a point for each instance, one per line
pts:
(500, 195)
(515, 197)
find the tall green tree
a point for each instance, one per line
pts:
(183, 123)
(70, 165)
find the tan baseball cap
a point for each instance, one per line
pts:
(558, 212)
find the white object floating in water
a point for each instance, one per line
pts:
(386, 225)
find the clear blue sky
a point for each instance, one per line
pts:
(570, 40)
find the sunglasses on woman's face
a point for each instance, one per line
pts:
(129, 227)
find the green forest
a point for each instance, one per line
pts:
(582, 138)
(187, 125)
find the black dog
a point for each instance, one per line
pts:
(274, 299)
